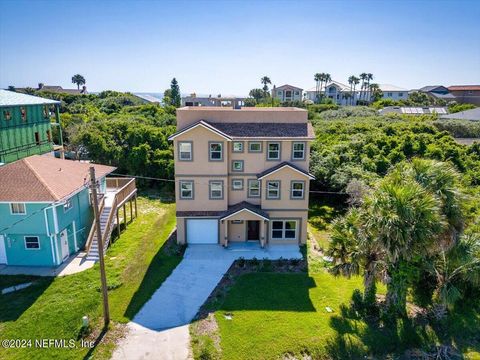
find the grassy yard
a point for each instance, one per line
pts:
(136, 264)
(273, 315)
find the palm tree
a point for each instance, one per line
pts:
(79, 80)
(356, 81)
(317, 77)
(327, 78)
(403, 219)
(368, 79)
(353, 81)
(454, 267)
(363, 77)
(374, 92)
(352, 251)
(265, 81)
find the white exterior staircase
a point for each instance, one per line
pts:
(93, 254)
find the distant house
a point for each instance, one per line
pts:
(219, 101)
(393, 92)
(469, 94)
(147, 98)
(25, 126)
(471, 115)
(287, 93)
(409, 110)
(46, 213)
(56, 89)
(338, 92)
(437, 92)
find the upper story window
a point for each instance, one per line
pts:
(273, 189)
(32, 242)
(273, 151)
(68, 205)
(298, 151)
(186, 190)
(216, 190)
(297, 93)
(253, 188)
(237, 165)
(185, 151)
(255, 146)
(238, 147)
(297, 190)
(7, 114)
(17, 209)
(23, 113)
(216, 151)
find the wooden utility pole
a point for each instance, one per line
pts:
(103, 276)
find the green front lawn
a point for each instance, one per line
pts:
(136, 264)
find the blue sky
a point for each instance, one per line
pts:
(214, 47)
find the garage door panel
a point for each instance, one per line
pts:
(202, 231)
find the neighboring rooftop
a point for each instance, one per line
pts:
(464, 88)
(472, 115)
(45, 178)
(11, 98)
(390, 87)
(408, 110)
(243, 109)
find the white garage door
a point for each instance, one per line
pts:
(202, 231)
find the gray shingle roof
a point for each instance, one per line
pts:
(273, 130)
(222, 214)
(281, 165)
(473, 115)
(11, 98)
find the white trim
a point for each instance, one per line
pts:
(53, 250)
(47, 229)
(74, 227)
(204, 125)
(311, 177)
(4, 247)
(244, 209)
(31, 236)
(57, 250)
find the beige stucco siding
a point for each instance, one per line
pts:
(181, 230)
(201, 195)
(201, 164)
(285, 176)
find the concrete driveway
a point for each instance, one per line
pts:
(160, 328)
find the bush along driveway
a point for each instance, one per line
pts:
(52, 308)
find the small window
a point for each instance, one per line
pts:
(298, 189)
(298, 151)
(216, 153)
(273, 189)
(297, 93)
(253, 188)
(23, 113)
(279, 93)
(7, 114)
(237, 165)
(18, 209)
(273, 151)
(400, 94)
(185, 151)
(237, 184)
(255, 146)
(186, 190)
(238, 147)
(37, 138)
(216, 190)
(68, 205)
(32, 242)
(389, 94)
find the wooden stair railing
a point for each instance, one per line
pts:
(91, 234)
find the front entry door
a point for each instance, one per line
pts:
(64, 241)
(253, 230)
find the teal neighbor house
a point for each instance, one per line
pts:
(25, 125)
(45, 210)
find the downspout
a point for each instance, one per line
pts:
(60, 135)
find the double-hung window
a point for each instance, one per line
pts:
(186, 190)
(298, 151)
(273, 152)
(185, 151)
(273, 189)
(253, 188)
(284, 230)
(297, 190)
(17, 209)
(32, 242)
(237, 184)
(216, 151)
(216, 190)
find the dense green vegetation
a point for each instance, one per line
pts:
(136, 264)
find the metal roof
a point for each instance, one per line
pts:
(11, 98)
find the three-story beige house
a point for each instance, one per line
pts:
(242, 175)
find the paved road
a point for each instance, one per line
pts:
(160, 329)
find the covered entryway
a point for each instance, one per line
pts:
(64, 244)
(202, 231)
(3, 252)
